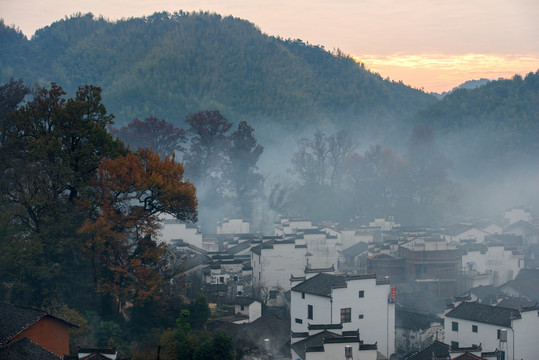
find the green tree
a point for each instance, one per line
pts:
(245, 181)
(159, 135)
(51, 151)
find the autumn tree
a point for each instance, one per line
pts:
(158, 134)
(130, 192)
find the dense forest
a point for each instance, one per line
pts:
(169, 65)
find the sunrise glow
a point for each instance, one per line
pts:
(441, 72)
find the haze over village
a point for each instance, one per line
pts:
(194, 185)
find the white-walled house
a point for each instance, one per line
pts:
(517, 214)
(285, 226)
(323, 248)
(232, 226)
(512, 331)
(273, 262)
(248, 307)
(463, 233)
(529, 232)
(330, 342)
(173, 229)
(355, 302)
(489, 265)
(383, 224)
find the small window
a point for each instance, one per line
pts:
(303, 295)
(361, 316)
(240, 293)
(309, 312)
(346, 315)
(221, 279)
(299, 321)
(242, 307)
(454, 344)
(235, 278)
(361, 293)
(454, 326)
(474, 328)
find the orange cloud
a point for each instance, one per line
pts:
(442, 72)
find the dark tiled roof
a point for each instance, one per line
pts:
(315, 342)
(504, 240)
(528, 274)
(324, 326)
(468, 356)
(436, 350)
(356, 249)
(25, 349)
(320, 284)
(526, 283)
(14, 319)
(526, 225)
(486, 292)
(242, 301)
(456, 229)
(484, 313)
(516, 303)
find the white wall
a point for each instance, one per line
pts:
(272, 269)
(174, 229)
(515, 215)
(232, 226)
(377, 325)
(486, 334)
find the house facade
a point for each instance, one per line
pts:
(273, 262)
(494, 328)
(355, 302)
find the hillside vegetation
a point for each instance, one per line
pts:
(169, 65)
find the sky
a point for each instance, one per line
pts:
(434, 45)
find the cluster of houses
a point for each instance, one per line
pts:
(375, 289)
(370, 290)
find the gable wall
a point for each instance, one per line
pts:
(48, 333)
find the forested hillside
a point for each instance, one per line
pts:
(493, 127)
(169, 65)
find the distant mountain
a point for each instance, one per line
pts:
(169, 65)
(470, 84)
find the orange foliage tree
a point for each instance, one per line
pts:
(130, 192)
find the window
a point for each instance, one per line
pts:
(242, 307)
(303, 295)
(299, 321)
(361, 293)
(474, 328)
(454, 326)
(361, 316)
(309, 312)
(454, 344)
(346, 315)
(235, 278)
